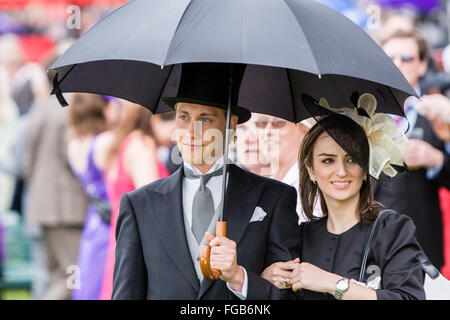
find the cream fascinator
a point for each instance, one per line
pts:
(387, 143)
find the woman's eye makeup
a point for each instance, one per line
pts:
(327, 160)
(331, 160)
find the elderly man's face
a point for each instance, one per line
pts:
(248, 147)
(278, 136)
(405, 55)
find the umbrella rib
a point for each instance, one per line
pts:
(103, 18)
(161, 92)
(176, 29)
(306, 38)
(292, 94)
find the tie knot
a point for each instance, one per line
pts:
(204, 178)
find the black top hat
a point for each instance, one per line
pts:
(208, 84)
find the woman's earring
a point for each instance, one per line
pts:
(313, 180)
(235, 139)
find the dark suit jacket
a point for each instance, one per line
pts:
(413, 194)
(152, 254)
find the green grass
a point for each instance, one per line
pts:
(15, 294)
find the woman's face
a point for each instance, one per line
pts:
(337, 175)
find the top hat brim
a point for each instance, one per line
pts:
(242, 113)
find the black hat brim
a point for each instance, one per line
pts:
(242, 113)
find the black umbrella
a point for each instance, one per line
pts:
(290, 47)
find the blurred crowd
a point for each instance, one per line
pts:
(63, 170)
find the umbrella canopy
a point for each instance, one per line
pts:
(291, 47)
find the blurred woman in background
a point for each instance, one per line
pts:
(89, 115)
(131, 163)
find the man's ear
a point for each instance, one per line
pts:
(233, 121)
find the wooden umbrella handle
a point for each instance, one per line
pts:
(205, 252)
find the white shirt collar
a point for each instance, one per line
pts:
(218, 164)
(292, 176)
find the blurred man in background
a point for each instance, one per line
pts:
(163, 126)
(56, 200)
(249, 151)
(416, 193)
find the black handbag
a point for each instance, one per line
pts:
(102, 207)
(427, 266)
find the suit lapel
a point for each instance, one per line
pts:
(240, 202)
(170, 225)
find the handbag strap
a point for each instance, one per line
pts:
(367, 248)
(426, 264)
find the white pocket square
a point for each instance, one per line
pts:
(258, 215)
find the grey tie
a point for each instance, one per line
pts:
(203, 204)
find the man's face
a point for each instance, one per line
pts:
(278, 136)
(405, 55)
(249, 151)
(200, 132)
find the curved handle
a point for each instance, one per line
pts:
(205, 252)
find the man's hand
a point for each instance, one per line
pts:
(434, 107)
(224, 258)
(278, 272)
(422, 154)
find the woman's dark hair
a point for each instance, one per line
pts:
(368, 208)
(135, 117)
(86, 114)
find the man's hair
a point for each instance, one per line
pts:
(223, 110)
(415, 35)
(167, 116)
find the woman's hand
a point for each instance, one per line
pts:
(224, 258)
(310, 277)
(279, 273)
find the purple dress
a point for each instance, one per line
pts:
(95, 236)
